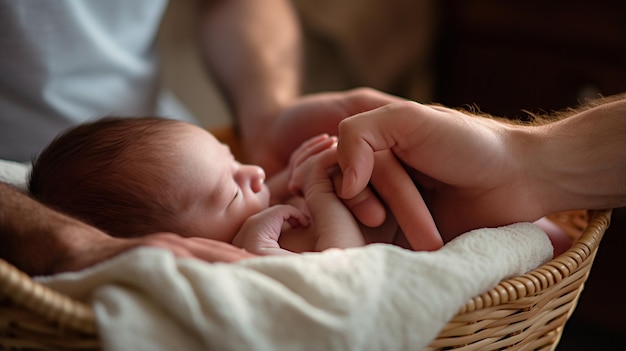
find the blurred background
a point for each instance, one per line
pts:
(503, 57)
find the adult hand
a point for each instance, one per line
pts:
(471, 174)
(306, 117)
(394, 185)
(103, 247)
(399, 192)
(309, 116)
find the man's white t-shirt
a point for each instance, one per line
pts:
(64, 62)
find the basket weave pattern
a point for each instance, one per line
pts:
(521, 313)
(38, 318)
(529, 312)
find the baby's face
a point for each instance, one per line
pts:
(220, 192)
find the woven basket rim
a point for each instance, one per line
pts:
(68, 313)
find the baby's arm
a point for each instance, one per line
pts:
(334, 224)
(277, 185)
(260, 232)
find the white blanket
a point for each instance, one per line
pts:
(15, 173)
(377, 297)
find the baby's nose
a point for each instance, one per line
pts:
(256, 176)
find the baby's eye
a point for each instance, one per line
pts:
(237, 191)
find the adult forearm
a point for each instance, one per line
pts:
(580, 160)
(253, 48)
(35, 238)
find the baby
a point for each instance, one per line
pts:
(136, 176)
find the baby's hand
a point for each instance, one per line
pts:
(260, 232)
(309, 166)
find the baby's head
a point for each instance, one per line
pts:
(135, 176)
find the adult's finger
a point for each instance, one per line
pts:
(365, 206)
(406, 127)
(397, 190)
(365, 99)
(215, 251)
(200, 248)
(359, 137)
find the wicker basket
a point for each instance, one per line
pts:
(522, 313)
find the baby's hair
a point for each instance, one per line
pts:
(109, 173)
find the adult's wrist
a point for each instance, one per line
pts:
(534, 187)
(256, 114)
(258, 128)
(577, 162)
(79, 246)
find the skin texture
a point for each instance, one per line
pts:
(229, 201)
(477, 172)
(327, 223)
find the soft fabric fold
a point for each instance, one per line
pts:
(370, 298)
